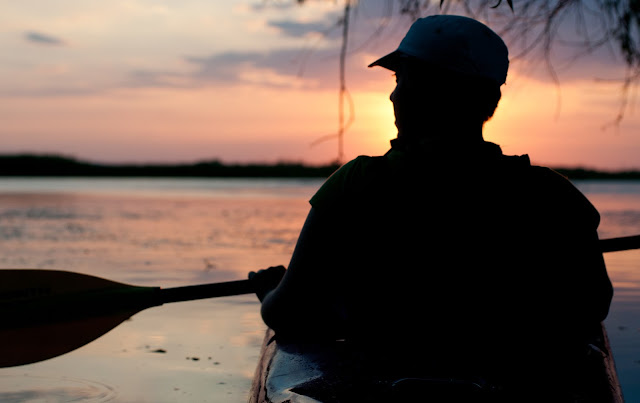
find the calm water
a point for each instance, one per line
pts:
(160, 232)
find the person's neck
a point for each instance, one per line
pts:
(446, 132)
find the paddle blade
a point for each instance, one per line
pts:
(45, 313)
(28, 345)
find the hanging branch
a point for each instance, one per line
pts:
(343, 94)
(509, 2)
(535, 25)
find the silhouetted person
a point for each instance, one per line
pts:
(444, 252)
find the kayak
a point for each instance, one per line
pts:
(307, 372)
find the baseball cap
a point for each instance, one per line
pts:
(455, 43)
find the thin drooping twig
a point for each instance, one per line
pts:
(343, 94)
(343, 80)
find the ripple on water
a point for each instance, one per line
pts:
(24, 388)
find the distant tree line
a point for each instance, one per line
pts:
(52, 165)
(582, 173)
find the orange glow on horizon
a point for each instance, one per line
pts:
(245, 123)
(565, 125)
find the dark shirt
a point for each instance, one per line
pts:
(467, 250)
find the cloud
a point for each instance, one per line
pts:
(273, 5)
(294, 67)
(279, 68)
(304, 66)
(299, 29)
(311, 64)
(42, 39)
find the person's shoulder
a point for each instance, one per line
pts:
(552, 179)
(557, 190)
(354, 171)
(347, 180)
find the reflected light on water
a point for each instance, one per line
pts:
(24, 388)
(192, 351)
(177, 234)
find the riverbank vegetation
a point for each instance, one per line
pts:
(53, 165)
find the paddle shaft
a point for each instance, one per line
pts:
(193, 292)
(620, 244)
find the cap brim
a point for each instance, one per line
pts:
(389, 61)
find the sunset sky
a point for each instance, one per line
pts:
(257, 81)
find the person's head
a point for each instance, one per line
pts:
(449, 70)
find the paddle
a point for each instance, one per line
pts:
(47, 313)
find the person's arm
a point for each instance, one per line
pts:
(308, 302)
(585, 288)
(303, 304)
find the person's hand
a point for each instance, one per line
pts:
(266, 280)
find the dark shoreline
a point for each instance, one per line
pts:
(49, 165)
(582, 173)
(52, 165)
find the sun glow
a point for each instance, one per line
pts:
(129, 82)
(563, 125)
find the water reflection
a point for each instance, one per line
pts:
(25, 388)
(181, 234)
(619, 206)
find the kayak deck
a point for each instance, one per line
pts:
(331, 372)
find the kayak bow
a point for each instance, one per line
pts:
(332, 372)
